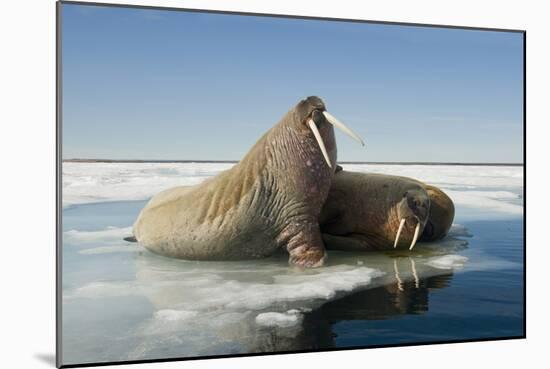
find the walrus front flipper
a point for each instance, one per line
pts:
(347, 243)
(304, 245)
(130, 239)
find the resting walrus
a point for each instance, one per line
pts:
(270, 199)
(366, 211)
(442, 213)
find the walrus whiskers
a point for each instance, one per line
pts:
(415, 237)
(401, 224)
(319, 139)
(335, 122)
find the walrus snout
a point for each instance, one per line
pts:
(318, 117)
(413, 211)
(419, 207)
(441, 215)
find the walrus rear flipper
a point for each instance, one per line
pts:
(130, 239)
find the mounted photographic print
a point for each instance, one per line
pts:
(233, 184)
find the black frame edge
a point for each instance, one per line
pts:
(58, 187)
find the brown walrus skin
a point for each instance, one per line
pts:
(363, 212)
(271, 199)
(442, 213)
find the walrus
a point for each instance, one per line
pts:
(367, 211)
(442, 213)
(271, 199)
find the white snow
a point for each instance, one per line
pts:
(493, 189)
(488, 201)
(449, 176)
(100, 182)
(171, 315)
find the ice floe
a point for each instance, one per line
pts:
(494, 189)
(448, 262)
(274, 319)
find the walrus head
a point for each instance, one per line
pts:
(413, 211)
(311, 115)
(442, 212)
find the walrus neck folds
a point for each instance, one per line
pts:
(296, 200)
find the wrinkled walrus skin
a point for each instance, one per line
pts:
(363, 212)
(271, 199)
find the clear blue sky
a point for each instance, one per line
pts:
(153, 84)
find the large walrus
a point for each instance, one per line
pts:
(367, 211)
(270, 199)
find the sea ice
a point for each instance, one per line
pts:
(188, 308)
(494, 189)
(274, 319)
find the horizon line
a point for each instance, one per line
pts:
(159, 161)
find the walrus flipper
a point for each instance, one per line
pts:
(130, 239)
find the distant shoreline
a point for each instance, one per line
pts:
(340, 162)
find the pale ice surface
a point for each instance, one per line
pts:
(447, 262)
(121, 302)
(491, 188)
(97, 182)
(286, 319)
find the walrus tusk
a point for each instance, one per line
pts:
(401, 224)
(415, 237)
(319, 139)
(335, 122)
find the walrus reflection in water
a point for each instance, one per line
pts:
(168, 288)
(367, 211)
(271, 199)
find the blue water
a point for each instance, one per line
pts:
(110, 299)
(473, 305)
